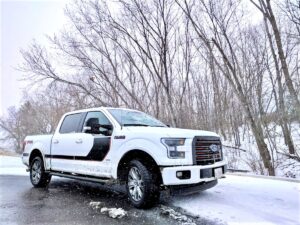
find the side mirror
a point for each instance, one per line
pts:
(93, 129)
(86, 129)
(107, 126)
(92, 126)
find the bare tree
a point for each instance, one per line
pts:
(265, 7)
(222, 17)
(292, 10)
(38, 111)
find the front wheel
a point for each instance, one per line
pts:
(142, 186)
(38, 176)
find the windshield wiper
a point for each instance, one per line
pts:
(135, 124)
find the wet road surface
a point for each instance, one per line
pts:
(66, 201)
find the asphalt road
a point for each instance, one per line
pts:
(66, 201)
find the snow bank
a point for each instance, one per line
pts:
(114, 212)
(250, 159)
(95, 205)
(167, 211)
(12, 165)
(246, 200)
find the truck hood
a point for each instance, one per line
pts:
(170, 132)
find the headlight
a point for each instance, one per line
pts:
(173, 141)
(171, 145)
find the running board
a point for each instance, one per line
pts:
(84, 178)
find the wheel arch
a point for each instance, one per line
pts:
(144, 158)
(34, 153)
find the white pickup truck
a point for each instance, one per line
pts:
(113, 144)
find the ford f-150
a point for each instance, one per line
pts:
(114, 144)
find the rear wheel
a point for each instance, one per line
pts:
(142, 186)
(38, 176)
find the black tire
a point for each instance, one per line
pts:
(38, 177)
(143, 192)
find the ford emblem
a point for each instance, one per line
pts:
(214, 148)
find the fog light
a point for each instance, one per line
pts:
(179, 174)
(186, 174)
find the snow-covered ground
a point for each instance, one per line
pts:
(12, 165)
(235, 200)
(248, 158)
(247, 200)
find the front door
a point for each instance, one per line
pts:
(76, 149)
(90, 160)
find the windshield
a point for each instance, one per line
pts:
(134, 118)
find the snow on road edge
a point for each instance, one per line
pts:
(295, 180)
(12, 165)
(246, 200)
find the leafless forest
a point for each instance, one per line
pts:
(228, 66)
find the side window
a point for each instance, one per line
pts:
(70, 123)
(99, 118)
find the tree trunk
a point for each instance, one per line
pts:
(280, 102)
(262, 146)
(289, 82)
(256, 125)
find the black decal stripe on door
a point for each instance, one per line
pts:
(60, 156)
(99, 150)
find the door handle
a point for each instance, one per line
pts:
(55, 141)
(78, 141)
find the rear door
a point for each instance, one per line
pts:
(69, 141)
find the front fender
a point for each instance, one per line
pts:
(154, 150)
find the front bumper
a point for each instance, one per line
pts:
(197, 174)
(189, 189)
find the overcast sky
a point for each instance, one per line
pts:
(21, 22)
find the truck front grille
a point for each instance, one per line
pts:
(207, 150)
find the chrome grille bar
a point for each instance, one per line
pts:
(207, 150)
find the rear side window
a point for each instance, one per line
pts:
(70, 123)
